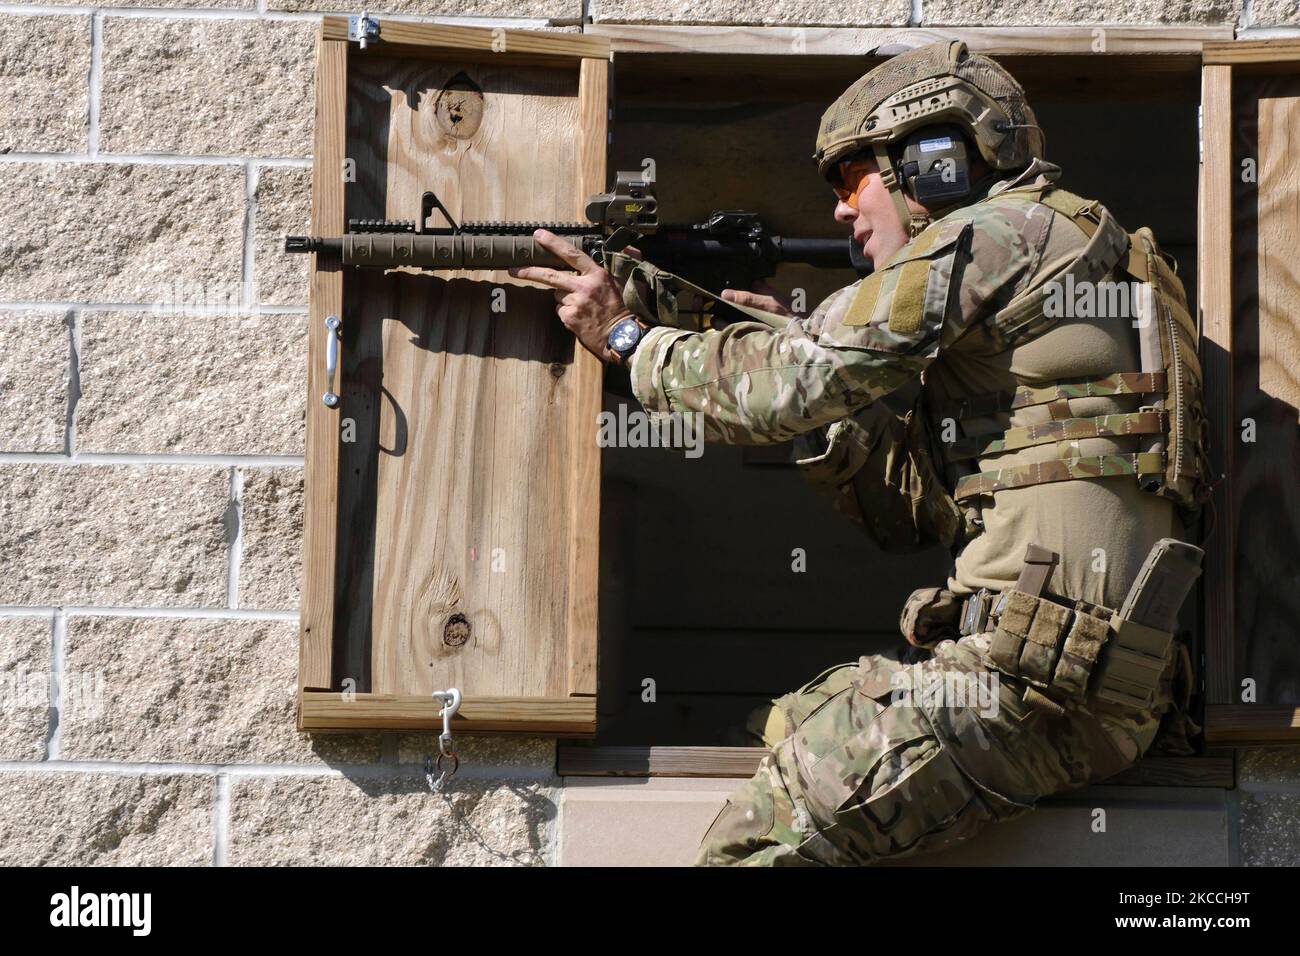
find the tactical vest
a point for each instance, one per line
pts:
(1170, 431)
(895, 477)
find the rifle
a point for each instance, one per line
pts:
(730, 250)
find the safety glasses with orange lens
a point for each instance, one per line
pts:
(851, 178)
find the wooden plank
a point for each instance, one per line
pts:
(588, 374)
(1251, 725)
(1214, 280)
(579, 760)
(1274, 55)
(1203, 771)
(585, 761)
(457, 504)
(1266, 386)
(433, 37)
(849, 41)
(320, 528)
(481, 713)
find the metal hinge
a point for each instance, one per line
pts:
(363, 28)
(1200, 134)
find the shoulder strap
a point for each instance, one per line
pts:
(1089, 215)
(1108, 245)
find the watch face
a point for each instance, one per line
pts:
(625, 336)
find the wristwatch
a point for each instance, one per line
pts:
(625, 336)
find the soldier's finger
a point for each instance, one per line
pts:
(552, 277)
(741, 297)
(565, 250)
(766, 303)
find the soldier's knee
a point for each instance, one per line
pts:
(756, 827)
(767, 725)
(772, 722)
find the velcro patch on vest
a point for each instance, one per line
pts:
(907, 307)
(904, 281)
(864, 303)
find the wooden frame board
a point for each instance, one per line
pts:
(863, 41)
(1249, 298)
(450, 540)
(580, 760)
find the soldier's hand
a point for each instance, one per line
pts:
(762, 296)
(589, 300)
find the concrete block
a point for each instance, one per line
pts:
(478, 9)
(283, 207)
(270, 563)
(120, 232)
(215, 87)
(192, 383)
(1268, 766)
(1273, 13)
(194, 691)
(1270, 829)
(179, 4)
(110, 535)
(105, 819)
(388, 821)
(660, 821)
(24, 686)
(1044, 12)
(533, 752)
(35, 363)
(44, 67)
(655, 821)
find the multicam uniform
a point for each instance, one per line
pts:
(856, 773)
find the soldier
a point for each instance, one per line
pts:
(1018, 380)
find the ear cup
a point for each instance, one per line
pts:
(935, 165)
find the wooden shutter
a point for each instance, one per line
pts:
(452, 542)
(1250, 307)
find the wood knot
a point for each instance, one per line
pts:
(456, 631)
(459, 107)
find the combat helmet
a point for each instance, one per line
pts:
(938, 83)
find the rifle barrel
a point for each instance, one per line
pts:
(437, 251)
(450, 251)
(824, 253)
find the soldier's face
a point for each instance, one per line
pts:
(871, 213)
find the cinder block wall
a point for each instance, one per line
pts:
(152, 389)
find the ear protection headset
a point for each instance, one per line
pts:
(935, 165)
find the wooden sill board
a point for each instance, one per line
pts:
(1252, 725)
(331, 711)
(585, 761)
